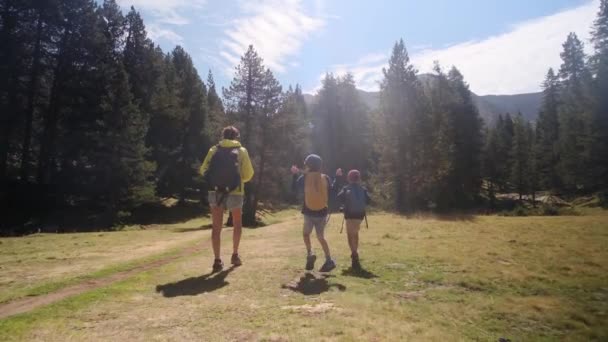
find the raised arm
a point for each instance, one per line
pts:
(297, 180)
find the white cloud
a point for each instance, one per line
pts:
(509, 63)
(276, 29)
(166, 11)
(156, 33)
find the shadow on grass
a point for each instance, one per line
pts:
(361, 273)
(192, 229)
(195, 285)
(311, 284)
(156, 213)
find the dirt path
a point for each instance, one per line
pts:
(26, 304)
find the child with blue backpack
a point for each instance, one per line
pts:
(317, 187)
(354, 199)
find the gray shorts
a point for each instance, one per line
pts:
(316, 222)
(230, 202)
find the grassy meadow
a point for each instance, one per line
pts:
(427, 278)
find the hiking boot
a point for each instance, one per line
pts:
(310, 262)
(328, 266)
(356, 264)
(218, 265)
(236, 260)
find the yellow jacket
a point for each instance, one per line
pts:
(244, 162)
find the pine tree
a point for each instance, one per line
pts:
(141, 62)
(243, 100)
(341, 125)
(73, 47)
(122, 168)
(243, 95)
(505, 131)
(167, 122)
(574, 116)
(491, 163)
(45, 14)
(193, 98)
(599, 132)
(267, 145)
(14, 23)
(325, 121)
(467, 143)
(520, 156)
(293, 137)
(406, 146)
(547, 128)
(215, 108)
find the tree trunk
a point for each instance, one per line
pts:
(8, 124)
(47, 145)
(31, 97)
(248, 209)
(260, 173)
(8, 115)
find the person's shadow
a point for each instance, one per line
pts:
(195, 285)
(311, 284)
(360, 273)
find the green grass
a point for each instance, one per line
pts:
(41, 263)
(522, 278)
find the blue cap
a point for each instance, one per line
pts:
(314, 162)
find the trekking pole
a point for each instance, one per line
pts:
(341, 229)
(366, 225)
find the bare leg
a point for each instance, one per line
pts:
(352, 231)
(237, 224)
(217, 216)
(350, 237)
(307, 243)
(324, 245)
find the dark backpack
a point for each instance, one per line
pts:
(224, 174)
(355, 200)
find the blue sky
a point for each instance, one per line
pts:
(501, 47)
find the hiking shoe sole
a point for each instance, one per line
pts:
(327, 266)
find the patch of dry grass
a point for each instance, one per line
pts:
(33, 263)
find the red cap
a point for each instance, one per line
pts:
(353, 176)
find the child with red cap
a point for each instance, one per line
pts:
(354, 198)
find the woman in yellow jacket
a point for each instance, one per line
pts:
(233, 201)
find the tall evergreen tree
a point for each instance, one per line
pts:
(599, 148)
(167, 123)
(520, 156)
(194, 138)
(243, 99)
(547, 128)
(405, 145)
(215, 108)
(574, 116)
(341, 125)
(124, 174)
(491, 163)
(505, 131)
(14, 24)
(269, 107)
(292, 137)
(466, 162)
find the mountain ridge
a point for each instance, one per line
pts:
(489, 106)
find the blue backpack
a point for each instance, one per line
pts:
(354, 200)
